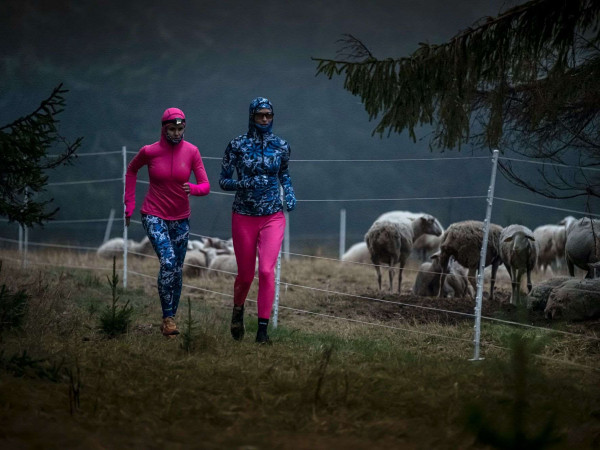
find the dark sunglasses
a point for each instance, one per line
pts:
(268, 115)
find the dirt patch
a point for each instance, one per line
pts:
(373, 305)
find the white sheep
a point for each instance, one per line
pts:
(425, 244)
(358, 253)
(144, 247)
(463, 241)
(519, 251)
(391, 242)
(222, 246)
(583, 245)
(113, 247)
(427, 281)
(223, 264)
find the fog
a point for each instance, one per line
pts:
(125, 62)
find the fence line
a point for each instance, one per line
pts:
(547, 207)
(480, 274)
(505, 158)
(582, 366)
(64, 183)
(362, 297)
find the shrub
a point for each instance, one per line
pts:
(115, 319)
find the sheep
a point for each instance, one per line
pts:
(518, 250)
(463, 241)
(197, 261)
(551, 241)
(425, 244)
(391, 242)
(548, 238)
(195, 244)
(583, 245)
(358, 253)
(144, 247)
(594, 269)
(113, 247)
(223, 264)
(427, 281)
(222, 246)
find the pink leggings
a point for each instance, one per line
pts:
(252, 233)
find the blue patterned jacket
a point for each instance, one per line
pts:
(261, 163)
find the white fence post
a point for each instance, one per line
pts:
(286, 237)
(111, 218)
(278, 274)
(342, 232)
(486, 229)
(124, 224)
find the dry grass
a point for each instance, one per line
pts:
(354, 372)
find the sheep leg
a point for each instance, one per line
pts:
(443, 259)
(495, 265)
(571, 267)
(400, 277)
(529, 284)
(391, 277)
(516, 285)
(472, 278)
(378, 270)
(513, 281)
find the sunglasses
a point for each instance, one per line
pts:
(268, 115)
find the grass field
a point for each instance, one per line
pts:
(349, 367)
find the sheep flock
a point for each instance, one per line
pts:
(450, 263)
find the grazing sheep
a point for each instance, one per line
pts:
(425, 244)
(391, 242)
(427, 281)
(113, 247)
(463, 241)
(583, 245)
(358, 253)
(518, 250)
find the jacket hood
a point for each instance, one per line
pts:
(256, 104)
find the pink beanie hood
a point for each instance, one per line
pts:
(171, 114)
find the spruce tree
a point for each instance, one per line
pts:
(525, 81)
(24, 159)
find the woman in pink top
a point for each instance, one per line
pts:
(166, 207)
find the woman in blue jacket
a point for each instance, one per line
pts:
(260, 162)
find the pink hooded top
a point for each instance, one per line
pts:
(169, 167)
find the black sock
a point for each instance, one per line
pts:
(262, 324)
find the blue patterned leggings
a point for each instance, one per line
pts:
(169, 239)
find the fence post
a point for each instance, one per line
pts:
(278, 275)
(486, 229)
(286, 237)
(124, 149)
(111, 218)
(342, 232)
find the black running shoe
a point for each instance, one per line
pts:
(237, 323)
(262, 337)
